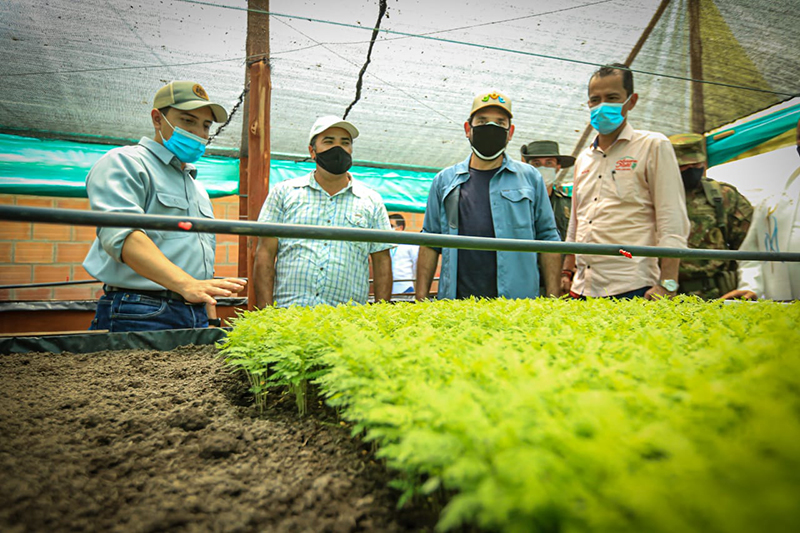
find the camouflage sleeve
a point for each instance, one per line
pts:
(740, 213)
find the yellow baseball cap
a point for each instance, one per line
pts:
(187, 95)
(492, 98)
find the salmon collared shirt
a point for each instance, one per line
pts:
(631, 194)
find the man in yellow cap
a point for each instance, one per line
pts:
(157, 279)
(719, 217)
(488, 195)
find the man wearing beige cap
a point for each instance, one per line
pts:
(157, 279)
(310, 272)
(488, 195)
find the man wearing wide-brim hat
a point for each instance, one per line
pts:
(156, 280)
(544, 157)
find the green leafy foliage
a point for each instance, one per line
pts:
(559, 415)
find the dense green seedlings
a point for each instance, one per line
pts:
(559, 415)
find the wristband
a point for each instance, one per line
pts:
(217, 322)
(569, 273)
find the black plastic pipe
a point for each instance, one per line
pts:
(78, 217)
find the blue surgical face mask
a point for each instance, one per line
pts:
(186, 146)
(607, 117)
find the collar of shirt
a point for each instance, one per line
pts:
(353, 186)
(463, 167)
(625, 135)
(167, 157)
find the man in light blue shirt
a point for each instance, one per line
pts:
(309, 272)
(489, 195)
(157, 279)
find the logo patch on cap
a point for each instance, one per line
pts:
(199, 91)
(493, 96)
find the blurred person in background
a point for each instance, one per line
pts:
(404, 259)
(775, 228)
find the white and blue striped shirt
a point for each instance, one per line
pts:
(312, 272)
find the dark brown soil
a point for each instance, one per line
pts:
(149, 441)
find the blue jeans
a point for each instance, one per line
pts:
(129, 311)
(637, 293)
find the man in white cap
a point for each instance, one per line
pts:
(158, 279)
(488, 195)
(309, 272)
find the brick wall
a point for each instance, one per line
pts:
(39, 253)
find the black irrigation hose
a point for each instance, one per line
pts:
(258, 229)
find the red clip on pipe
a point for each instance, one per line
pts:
(626, 254)
(185, 225)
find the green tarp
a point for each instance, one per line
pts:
(45, 167)
(728, 143)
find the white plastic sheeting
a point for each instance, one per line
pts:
(91, 67)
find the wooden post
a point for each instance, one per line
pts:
(258, 158)
(696, 68)
(254, 178)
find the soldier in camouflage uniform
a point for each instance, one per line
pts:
(720, 217)
(544, 156)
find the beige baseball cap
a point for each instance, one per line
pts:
(492, 98)
(187, 95)
(331, 121)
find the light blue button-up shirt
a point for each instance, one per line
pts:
(147, 178)
(520, 210)
(311, 272)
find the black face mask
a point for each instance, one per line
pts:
(489, 141)
(335, 160)
(691, 177)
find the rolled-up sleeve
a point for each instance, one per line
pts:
(118, 184)
(432, 221)
(669, 198)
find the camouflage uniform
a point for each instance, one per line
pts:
(720, 217)
(562, 204)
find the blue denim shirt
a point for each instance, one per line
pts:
(520, 210)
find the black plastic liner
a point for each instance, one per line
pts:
(163, 341)
(85, 305)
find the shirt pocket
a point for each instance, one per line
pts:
(625, 187)
(173, 206)
(357, 220)
(518, 209)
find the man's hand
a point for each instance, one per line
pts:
(739, 293)
(566, 283)
(205, 290)
(656, 292)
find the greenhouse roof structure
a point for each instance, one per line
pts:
(89, 69)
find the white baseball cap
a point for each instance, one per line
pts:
(331, 121)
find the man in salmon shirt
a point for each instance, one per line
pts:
(627, 191)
